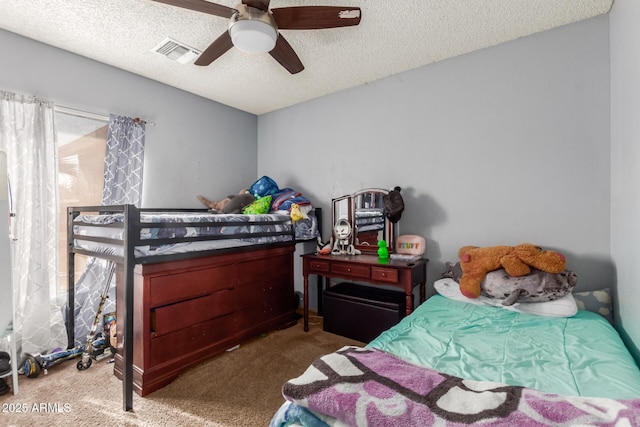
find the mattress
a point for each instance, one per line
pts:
(220, 231)
(452, 363)
(581, 355)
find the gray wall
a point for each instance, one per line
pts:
(506, 145)
(196, 146)
(625, 173)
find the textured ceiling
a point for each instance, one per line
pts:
(393, 36)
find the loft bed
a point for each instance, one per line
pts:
(455, 361)
(174, 262)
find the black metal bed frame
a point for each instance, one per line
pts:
(131, 238)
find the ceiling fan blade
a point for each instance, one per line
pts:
(258, 4)
(286, 56)
(315, 17)
(215, 49)
(202, 6)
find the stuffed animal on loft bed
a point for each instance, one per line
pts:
(232, 204)
(261, 197)
(517, 261)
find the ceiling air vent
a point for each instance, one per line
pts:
(176, 51)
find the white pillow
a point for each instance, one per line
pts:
(562, 307)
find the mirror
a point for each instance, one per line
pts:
(364, 210)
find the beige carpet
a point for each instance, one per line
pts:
(237, 388)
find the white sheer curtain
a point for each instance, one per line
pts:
(27, 135)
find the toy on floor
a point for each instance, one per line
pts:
(476, 262)
(96, 348)
(37, 363)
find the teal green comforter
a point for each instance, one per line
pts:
(577, 356)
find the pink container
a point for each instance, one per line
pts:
(411, 244)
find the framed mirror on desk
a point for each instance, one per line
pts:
(365, 213)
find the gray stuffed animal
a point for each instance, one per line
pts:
(538, 286)
(232, 204)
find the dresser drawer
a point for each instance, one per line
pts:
(254, 271)
(181, 343)
(190, 284)
(351, 270)
(173, 317)
(382, 274)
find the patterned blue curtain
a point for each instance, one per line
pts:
(123, 166)
(124, 161)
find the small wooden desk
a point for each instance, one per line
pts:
(367, 269)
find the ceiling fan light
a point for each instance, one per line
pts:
(253, 36)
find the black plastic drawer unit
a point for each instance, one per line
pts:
(361, 312)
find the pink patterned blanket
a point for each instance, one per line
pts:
(367, 387)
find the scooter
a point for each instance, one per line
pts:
(96, 348)
(37, 363)
(90, 348)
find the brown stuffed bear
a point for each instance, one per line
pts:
(516, 260)
(230, 204)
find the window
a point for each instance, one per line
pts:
(81, 150)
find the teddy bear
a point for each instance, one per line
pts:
(231, 204)
(476, 262)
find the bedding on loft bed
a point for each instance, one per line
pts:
(455, 363)
(168, 232)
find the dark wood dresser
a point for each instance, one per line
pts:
(187, 311)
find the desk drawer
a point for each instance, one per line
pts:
(384, 274)
(351, 270)
(318, 267)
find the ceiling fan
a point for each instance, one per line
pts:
(253, 27)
